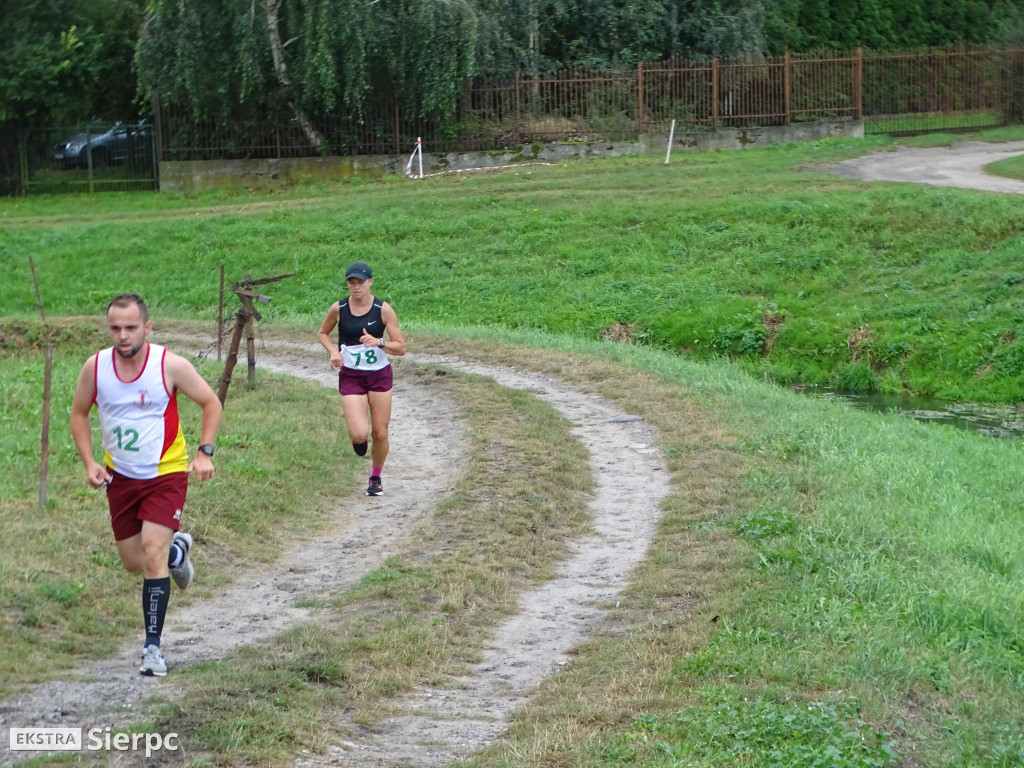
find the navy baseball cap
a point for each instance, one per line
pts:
(360, 270)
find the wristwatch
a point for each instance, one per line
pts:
(206, 448)
(382, 342)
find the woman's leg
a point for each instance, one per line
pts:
(380, 419)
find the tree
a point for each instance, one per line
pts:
(311, 57)
(537, 35)
(66, 60)
(882, 24)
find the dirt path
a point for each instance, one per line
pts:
(436, 726)
(961, 165)
(441, 725)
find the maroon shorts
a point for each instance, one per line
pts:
(352, 382)
(159, 500)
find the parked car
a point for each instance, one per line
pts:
(108, 144)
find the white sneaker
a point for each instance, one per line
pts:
(153, 664)
(184, 573)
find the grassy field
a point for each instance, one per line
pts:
(827, 587)
(1012, 167)
(763, 258)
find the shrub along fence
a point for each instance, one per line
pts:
(892, 92)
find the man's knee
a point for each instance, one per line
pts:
(132, 564)
(155, 549)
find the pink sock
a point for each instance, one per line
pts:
(376, 471)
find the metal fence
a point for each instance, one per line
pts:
(955, 89)
(567, 105)
(909, 91)
(99, 157)
(892, 92)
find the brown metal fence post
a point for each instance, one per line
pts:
(787, 88)
(519, 108)
(640, 96)
(858, 85)
(714, 94)
(905, 85)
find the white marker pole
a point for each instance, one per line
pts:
(671, 133)
(419, 145)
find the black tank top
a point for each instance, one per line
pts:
(350, 327)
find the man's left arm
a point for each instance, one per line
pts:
(182, 374)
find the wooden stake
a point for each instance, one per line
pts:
(229, 365)
(250, 348)
(44, 442)
(220, 315)
(35, 282)
(244, 324)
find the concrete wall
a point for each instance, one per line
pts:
(241, 174)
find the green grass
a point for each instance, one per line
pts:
(754, 257)
(826, 587)
(725, 729)
(1011, 167)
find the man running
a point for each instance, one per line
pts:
(134, 385)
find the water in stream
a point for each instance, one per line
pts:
(994, 420)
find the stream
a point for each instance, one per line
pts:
(995, 420)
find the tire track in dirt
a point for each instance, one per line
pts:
(439, 725)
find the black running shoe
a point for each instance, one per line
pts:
(375, 488)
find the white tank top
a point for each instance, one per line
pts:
(142, 436)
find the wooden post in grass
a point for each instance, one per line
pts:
(220, 315)
(44, 448)
(244, 323)
(250, 333)
(229, 365)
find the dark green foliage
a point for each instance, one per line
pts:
(64, 60)
(882, 24)
(306, 57)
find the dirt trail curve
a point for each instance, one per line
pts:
(442, 725)
(960, 165)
